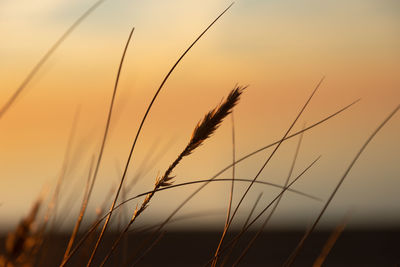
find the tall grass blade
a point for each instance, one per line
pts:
(206, 182)
(203, 130)
(256, 236)
(139, 130)
(238, 236)
(262, 168)
(299, 247)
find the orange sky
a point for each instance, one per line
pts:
(279, 48)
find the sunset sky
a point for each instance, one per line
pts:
(280, 49)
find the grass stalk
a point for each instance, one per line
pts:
(226, 258)
(238, 236)
(262, 168)
(203, 130)
(330, 243)
(299, 247)
(139, 131)
(80, 216)
(206, 182)
(250, 244)
(173, 213)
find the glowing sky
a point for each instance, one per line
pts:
(281, 49)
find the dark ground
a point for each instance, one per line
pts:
(353, 248)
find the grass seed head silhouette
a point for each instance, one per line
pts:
(205, 128)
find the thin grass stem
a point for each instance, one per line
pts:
(256, 236)
(226, 258)
(299, 247)
(221, 172)
(262, 168)
(139, 131)
(238, 236)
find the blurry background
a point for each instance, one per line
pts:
(281, 49)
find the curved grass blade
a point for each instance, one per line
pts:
(139, 131)
(206, 182)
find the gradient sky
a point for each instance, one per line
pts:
(281, 49)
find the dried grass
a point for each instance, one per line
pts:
(22, 246)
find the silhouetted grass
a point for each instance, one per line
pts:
(28, 246)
